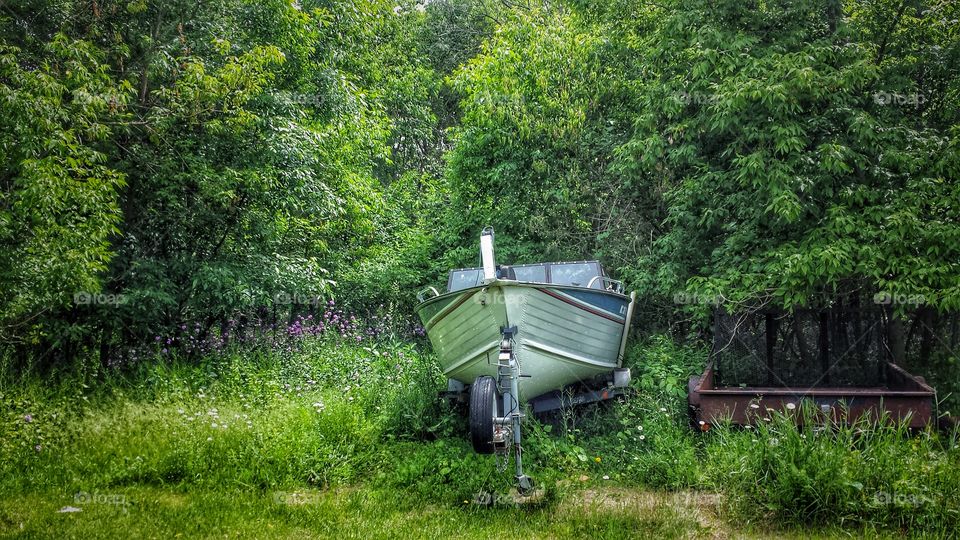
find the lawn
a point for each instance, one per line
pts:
(355, 512)
(329, 439)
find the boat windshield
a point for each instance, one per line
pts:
(577, 274)
(463, 279)
(534, 273)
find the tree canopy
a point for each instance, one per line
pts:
(184, 162)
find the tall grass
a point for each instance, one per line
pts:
(337, 413)
(260, 421)
(863, 472)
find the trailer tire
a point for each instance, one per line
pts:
(483, 407)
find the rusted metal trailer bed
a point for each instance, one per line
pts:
(841, 359)
(904, 398)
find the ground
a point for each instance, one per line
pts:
(276, 446)
(158, 512)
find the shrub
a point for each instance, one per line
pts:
(255, 419)
(866, 472)
(643, 439)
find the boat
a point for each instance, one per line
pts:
(512, 334)
(570, 318)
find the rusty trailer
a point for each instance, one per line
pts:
(840, 360)
(905, 398)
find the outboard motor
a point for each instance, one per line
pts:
(506, 272)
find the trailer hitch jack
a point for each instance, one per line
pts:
(508, 375)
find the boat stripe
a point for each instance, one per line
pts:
(581, 306)
(460, 301)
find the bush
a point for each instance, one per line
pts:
(869, 473)
(256, 419)
(644, 439)
(661, 369)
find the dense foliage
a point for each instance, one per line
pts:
(168, 164)
(174, 164)
(215, 216)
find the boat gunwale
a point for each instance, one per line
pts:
(527, 265)
(516, 283)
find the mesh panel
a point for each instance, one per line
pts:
(738, 350)
(802, 349)
(929, 334)
(857, 348)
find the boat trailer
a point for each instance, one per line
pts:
(839, 359)
(507, 432)
(496, 415)
(905, 398)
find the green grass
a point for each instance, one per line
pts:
(868, 473)
(349, 441)
(343, 513)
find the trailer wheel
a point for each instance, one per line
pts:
(484, 407)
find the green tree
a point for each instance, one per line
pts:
(790, 178)
(59, 194)
(545, 107)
